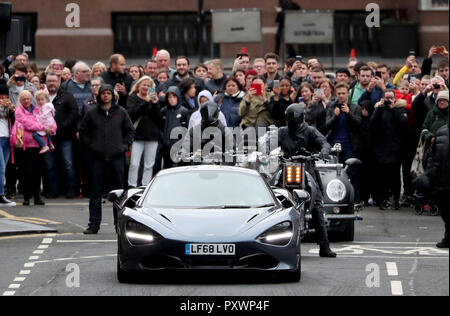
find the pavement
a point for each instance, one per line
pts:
(393, 254)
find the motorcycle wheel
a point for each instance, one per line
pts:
(349, 232)
(435, 211)
(418, 209)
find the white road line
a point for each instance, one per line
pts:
(33, 258)
(38, 252)
(14, 286)
(393, 242)
(9, 293)
(19, 279)
(43, 247)
(25, 272)
(396, 288)
(85, 241)
(80, 258)
(47, 240)
(377, 257)
(392, 268)
(28, 265)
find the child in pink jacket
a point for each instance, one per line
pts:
(46, 117)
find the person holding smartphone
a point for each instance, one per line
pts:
(145, 113)
(19, 82)
(254, 107)
(281, 100)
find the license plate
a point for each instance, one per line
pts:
(210, 249)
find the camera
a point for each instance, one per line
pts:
(436, 86)
(387, 102)
(299, 58)
(20, 79)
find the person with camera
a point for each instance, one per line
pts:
(343, 123)
(6, 113)
(118, 78)
(145, 113)
(19, 82)
(389, 125)
(294, 139)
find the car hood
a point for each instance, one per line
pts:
(196, 223)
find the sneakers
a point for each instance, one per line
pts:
(39, 202)
(52, 148)
(385, 205)
(92, 230)
(4, 202)
(44, 150)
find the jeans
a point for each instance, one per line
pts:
(149, 149)
(40, 140)
(98, 171)
(5, 151)
(63, 154)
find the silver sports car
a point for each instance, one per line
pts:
(209, 217)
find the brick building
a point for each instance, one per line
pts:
(108, 26)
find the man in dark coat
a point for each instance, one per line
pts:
(107, 131)
(389, 124)
(294, 139)
(117, 77)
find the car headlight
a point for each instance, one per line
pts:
(336, 190)
(139, 234)
(279, 235)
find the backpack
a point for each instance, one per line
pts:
(17, 135)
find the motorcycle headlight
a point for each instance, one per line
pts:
(139, 234)
(279, 235)
(336, 190)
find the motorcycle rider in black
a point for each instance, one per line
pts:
(294, 139)
(208, 133)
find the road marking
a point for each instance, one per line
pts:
(32, 236)
(79, 258)
(31, 220)
(376, 257)
(47, 240)
(19, 279)
(33, 258)
(85, 241)
(43, 247)
(9, 293)
(396, 288)
(392, 268)
(38, 252)
(25, 272)
(29, 265)
(14, 286)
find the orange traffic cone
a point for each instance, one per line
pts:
(353, 54)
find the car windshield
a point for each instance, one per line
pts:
(209, 189)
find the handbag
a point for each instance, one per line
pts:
(417, 168)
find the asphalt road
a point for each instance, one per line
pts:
(394, 254)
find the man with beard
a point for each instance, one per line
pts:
(295, 139)
(66, 117)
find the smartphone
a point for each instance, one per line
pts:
(378, 74)
(152, 90)
(318, 92)
(258, 89)
(299, 58)
(276, 84)
(440, 50)
(412, 53)
(413, 80)
(20, 79)
(301, 100)
(239, 55)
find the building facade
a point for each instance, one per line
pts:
(136, 27)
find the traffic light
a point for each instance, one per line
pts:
(5, 17)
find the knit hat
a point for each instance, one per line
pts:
(443, 95)
(251, 72)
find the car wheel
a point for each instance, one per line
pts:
(122, 275)
(349, 232)
(291, 276)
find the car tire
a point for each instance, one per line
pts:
(349, 232)
(122, 275)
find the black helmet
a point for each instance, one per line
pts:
(210, 113)
(295, 116)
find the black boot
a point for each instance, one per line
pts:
(92, 230)
(38, 201)
(26, 202)
(443, 244)
(326, 252)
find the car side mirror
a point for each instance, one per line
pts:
(113, 196)
(353, 162)
(301, 197)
